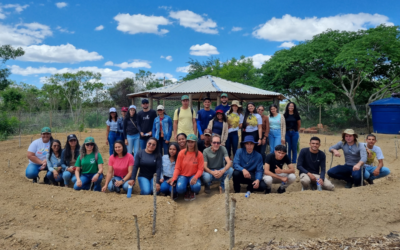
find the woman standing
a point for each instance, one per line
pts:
(89, 166)
(131, 131)
(162, 129)
(120, 134)
(148, 162)
(293, 124)
(235, 120)
(68, 159)
(120, 167)
(219, 126)
(182, 141)
(53, 158)
(168, 168)
(112, 129)
(277, 128)
(188, 170)
(252, 125)
(265, 128)
(37, 152)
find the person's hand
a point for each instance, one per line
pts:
(161, 180)
(336, 153)
(150, 133)
(219, 174)
(174, 136)
(71, 170)
(263, 141)
(283, 141)
(284, 179)
(193, 181)
(246, 174)
(157, 187)
(79, 183)
(55, 173)
(256, 184)
(259, 141)
(126, 142)
(131, 182)
(312, 177)
(141, 134)
(321, 182)
(376, 172)
(104, 188)
(166, 142)
(369, 153)
(278, 170)
(170, 182)
(107, 142)
(229, 126)
(118, 183)
(95, 177)
(202, 137)
(356, 167)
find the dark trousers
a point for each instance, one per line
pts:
(238, 178)
(162, 146)
(255, 135)
(232, 143)
(346, 173)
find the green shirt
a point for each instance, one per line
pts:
(88, 163)
(215, 160)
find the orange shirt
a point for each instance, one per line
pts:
(189, 165)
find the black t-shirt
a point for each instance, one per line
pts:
(201, 146)
(147, 164)
(273, 162)
(145, 122)
(291, 122)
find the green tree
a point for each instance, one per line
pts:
(119, 91)
(13, 98)
(7, 52)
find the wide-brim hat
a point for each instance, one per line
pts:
(349, 131)
(237, 103)
(249, 138)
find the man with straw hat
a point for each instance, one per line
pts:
(355, 155)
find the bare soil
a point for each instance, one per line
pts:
(38, 216)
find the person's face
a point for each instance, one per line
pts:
(260, 110)
(224, 99)
(56, 146)
(291, 107)
(151, 145)
(123, 113)
(371, 140)
(113, 114)
(251, 108)
(249, 147)
(216, 142)
(185, 103)
(279, 155)
(207, 138)
(132, 112)
(160, 112)
(219, 116)
(145, 105)
(235, 108)
(349, 138)
(89, 147)
(46, 137)
(182, 141)
(118, 148)
(207, 103)
(273, 110)
(172, 150)
(191, 144)
(314, 145)
(73, 142)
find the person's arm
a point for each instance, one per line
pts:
(334, 148)
(200, 166)
(153, 130)
(291, 169)
(110, 174)
(269, 173)
(168, 135)
(125, 125)
(139, 123)
(300, 162)
(210, 124)
(283, 130)
(228, 164)
(323, 166)
(178, 167)
(136, 166)
(107, 132)
(63, 162)
(199, 123)
(174, 134)
(364, 157)
(266, 127)
(50, 166)
(236, 161)
(121, 126)
(78, 171)
(298, 124)
(225, 133)
(158, 169)
(194, 125)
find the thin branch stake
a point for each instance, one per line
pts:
(232, 224)
(155, 203)
(227, 188)
(137, 232)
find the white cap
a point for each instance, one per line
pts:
(160, 107)
(132, 107)
(113, 110)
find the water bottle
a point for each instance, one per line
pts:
(283, 184)
(319, 188)
(247, 195)
(129, 194)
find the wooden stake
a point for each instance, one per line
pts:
(232, 224)
(172, 192)
(137, 232)
(227, 188)
(155, 203)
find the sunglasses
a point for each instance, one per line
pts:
(73, 140)
(151, 144)
(55, 145)
(89, 144)
(216, 142)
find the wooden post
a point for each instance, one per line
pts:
(366, 113)
(218, 100)
(190, 100)
(198, 105)
(151, 102)
(155, 203)
(19, 138)
(137, 232)
(232, 224)
(227, 188)
(172, 192)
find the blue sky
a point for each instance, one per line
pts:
(118, 38)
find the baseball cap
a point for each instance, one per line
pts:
(124, 109)
(113, 110)
(160, 107)
(191, 137)
(89, 140)
(185, 97)
(207, 132)
(224, 94)
(46, 130)
(132, 107)
(72, 137)
(205, 99)
(145, 101)
(219, 111)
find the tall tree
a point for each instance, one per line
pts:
(7, 52)
(119, 91)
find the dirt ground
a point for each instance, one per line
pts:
(38, 216)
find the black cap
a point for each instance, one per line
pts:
(72, 137)
(145, 101)
(206, 99)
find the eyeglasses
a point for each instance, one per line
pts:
(89, 144)
(216, 142)
(55, 145)
(261, 110)
(151, 144)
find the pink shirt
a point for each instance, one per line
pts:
(121, 165)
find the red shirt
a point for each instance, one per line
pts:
(121, 165)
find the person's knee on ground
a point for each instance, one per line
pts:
(206, 178)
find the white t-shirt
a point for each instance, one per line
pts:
(113, 125)
(40, 149)
(252, 122)
(376, 153)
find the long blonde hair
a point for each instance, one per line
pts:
(355, 136)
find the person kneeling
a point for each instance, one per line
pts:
(214, 169)
(372, 172)
(248, 167)
(274, 172)
(91, 164)
(311, 165)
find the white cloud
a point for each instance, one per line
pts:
(203, 50)
(64, 30)
(236, 28)
(287, 45)
(194, 21)
(290, 28)
(259, 59)
(58, 54)
(109, 63)
(165, 7)
(168, 76)
(141, 24)
(168, 58)
(18, 8)
(184, 69)
(135, 64)
(101, 27)
(61, 5)
(24, 34)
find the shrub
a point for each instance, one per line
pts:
(8, 125)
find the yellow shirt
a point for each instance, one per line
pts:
(185, 122)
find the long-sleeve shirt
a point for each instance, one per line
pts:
(265, 125)
(131, 126)
(189, 165)
(145, 121)
(148, 165)
(53, 162)
(168, 167)
(120, 126)
(311, 163)
(251, 162)
(65, 163)
(352, 154)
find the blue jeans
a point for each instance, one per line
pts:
(87, 181)
(133, 143)
(50, 176)
(208, 178)
(232, 143)
(264, 148)
(143, 143)
(274, 139)
(146, 185)
(67, 176)
(165, 187)
(384, 171)
(162, 145)
(182, 183)
(32, 170)
(125, 186)
(112, 138)
(346, 173)
(292, 137)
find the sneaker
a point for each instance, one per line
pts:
(187, 196)
(207, 189)
(268, 191)
(35, 180)
(46, 180)
(349, 185)
(192, 196)
(370, 181)
(62, 184)
(175, 196)
(281, 190)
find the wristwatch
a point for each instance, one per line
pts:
(123, 181)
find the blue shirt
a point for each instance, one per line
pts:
(251, 162)
(168, 167)
(203, 118)
(223, 108)
(217, 128)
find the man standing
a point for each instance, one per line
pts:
(224, 106)
(214, 169)
(145, 119)
(274, 172)
(311, 165)
(184, 119)
(355, 156)
(372, 172)
(203, 144)
(204, 116)
(248, 167)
